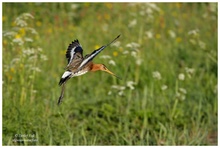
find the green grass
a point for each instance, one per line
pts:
(167, 52)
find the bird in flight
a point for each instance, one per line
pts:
(79, 65)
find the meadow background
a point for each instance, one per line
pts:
(166, 57)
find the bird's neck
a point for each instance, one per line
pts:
(95, 67)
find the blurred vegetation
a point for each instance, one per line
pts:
(166, 56)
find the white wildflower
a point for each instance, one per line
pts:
(194, 32)
(181, 76)
(43, 57)
(149, 11)
(116, 44)
(134, 54)
(105, 57)
(153, 6)
(172, 34)
(28, 39)
(202, 45)
(105, 27)
(120, 93)
(29, 51)
(156, 75)
(132, 23)
(149, 34)
(181, 94)
(213, 7)
(164, 87)
(39, 49)
(20, 22)
(118, 87)
(32, 30)
(192, 41)
(182, 97)
(15, 60)
(27, 16)
(74, 6)
(111, 62)
(178, 94)
(133, 45)
(182, 90)
(9, 33)
(36, 69)
(31, 58)
(34, 91)
(130, 84)
(19, 41)
(189, 71)
(125, 52)
(139, 61)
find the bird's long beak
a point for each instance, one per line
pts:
(108, 71)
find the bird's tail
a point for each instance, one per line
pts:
(66, 76)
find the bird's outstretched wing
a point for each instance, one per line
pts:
(89, 57)
(74, 55)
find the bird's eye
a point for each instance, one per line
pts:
(104, 67)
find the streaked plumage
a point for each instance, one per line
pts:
(78, 65)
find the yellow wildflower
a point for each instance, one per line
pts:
(178, 39)
(13, 24)
(158, 36)
(17, 36)
(87, 4)
(12, 70)
(97, 46)
(3, 18)
(99, 17)
(178, 5)
(115, 53)
(109, 5)
(38, 23)
(49, 30)
(106, 16)
(5, 42)
(22, 31)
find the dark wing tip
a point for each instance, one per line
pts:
(75, 45)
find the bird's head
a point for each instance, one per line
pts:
(102, 67)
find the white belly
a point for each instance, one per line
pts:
(79, 73)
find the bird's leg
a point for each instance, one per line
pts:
(61, 95)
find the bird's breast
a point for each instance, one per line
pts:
(79, 73)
